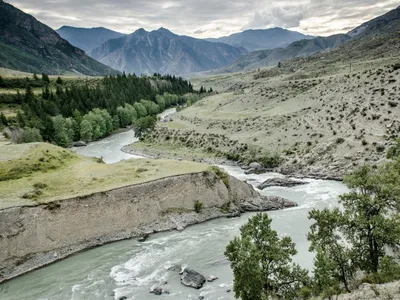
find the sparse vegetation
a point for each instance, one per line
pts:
(198, 206)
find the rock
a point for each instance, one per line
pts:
(201, 297)
(156, 290)
(175, 268)
(143, 237)
(266, 203)
(255, 171)
(285, 182)
(123, 298)
(212, 278)
(255, 165)
(79, 144)
(192, 278)
(228, 290)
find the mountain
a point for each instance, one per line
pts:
(164, 52)
(87, 38)
(30, 46)
(382, 24)
(264, 58)
(262, 39)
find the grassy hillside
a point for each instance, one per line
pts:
(40, 172)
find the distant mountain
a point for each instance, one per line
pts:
(163, 52)
(264, 58)
(87, 38)
(262, 39)
(30, 46)
(383, 24)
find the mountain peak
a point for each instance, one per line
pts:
(165, 31)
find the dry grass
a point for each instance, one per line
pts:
(60, 174)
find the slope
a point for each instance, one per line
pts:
(87, 38)
(30, 46)
(162, 51)
(262, 39)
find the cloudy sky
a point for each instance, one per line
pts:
(208, 18)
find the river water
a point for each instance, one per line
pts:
(129, 268)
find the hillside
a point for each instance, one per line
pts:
(265, 58)
(388, 22)
(324, 114)
(164, 52)
(262, 39)
(30, 46)
(383, 25)
(87, 38)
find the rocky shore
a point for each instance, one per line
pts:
(35, 236)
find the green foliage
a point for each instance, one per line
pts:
(3, 120)
(198, 206)
(45, 78)
(221, 175)
(145, 125)
(262, 263)
(59, 80)
(30, 135)
(394, 151)
(364, 234)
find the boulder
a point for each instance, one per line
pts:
(156, 290)
(267, 203)
(143, 237)
(285, 182)
(255, 165)
(192, 278)
(212, 278)
(255, 171)
(175, 268)
(79, 144)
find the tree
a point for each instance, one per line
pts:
(59, 80)
(144, 125)
(279, 64)
(394, 151)
(3, 119)
(364, 233)
(262, 263)
(30, 135)
(333, 263)
(86, 131)
(45, 78)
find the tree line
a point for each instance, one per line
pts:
(354, 244)
(81, 111)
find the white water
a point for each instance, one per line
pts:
(129, 268)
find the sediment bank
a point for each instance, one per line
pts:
(35, 236)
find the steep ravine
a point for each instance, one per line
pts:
(34, 236)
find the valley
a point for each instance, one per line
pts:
(138, 163)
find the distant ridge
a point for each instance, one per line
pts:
(262, 39)
(87, 38)
(162, 51)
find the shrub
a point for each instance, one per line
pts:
(221, 175)
(340, 140)
(198, 206)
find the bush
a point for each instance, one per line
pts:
(340, 140)
(221, 175)
(30, 135)
(198, 206)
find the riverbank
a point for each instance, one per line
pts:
(159, 151)
(35, 236)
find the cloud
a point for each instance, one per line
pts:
(207, 18)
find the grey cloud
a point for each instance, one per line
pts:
(206, 18)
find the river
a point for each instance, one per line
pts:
(129, 268)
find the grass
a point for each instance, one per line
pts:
(60, 174)
(221, 175)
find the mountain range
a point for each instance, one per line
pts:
(262, 39)
(30, 46)
(385, 24)
(87, 38)
(162, 51)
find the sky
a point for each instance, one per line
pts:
(208, 18)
